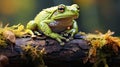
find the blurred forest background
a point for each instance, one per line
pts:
(94, 14)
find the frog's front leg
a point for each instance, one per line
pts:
(44, 27)
(73, 30)
(30, 27)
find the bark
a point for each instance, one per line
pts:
(69, 55)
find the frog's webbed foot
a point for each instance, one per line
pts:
(37, 33)
(68, 36)
(32, 35)
(65, 34)
(71, 32)
(59, 38)
(68, 39)
(62, 43)
(71, 38)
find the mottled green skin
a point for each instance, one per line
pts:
(50, 21)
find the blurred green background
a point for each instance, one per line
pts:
(100, 15)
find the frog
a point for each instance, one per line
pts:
(51, 21)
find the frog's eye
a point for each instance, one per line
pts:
(78, 8)
(75, 5)
(61, 8)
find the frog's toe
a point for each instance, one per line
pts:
(26, 36)
(66, 34)
(67, 40)
(63, 38)
(33, 36)
(62, 43)
(39, 34)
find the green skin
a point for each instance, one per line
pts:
(51, 21)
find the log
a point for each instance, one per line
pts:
(69, 55)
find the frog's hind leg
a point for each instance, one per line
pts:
(44, 27)
(30, 27)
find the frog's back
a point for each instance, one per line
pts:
(44, 14)
(41, 16)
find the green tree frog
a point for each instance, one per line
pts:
(54, 20)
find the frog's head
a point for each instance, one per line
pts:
(63, 11)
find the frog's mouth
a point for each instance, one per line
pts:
(67, 17)
(75, 17)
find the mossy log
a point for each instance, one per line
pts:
(69, 55)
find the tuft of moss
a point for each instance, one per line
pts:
(102, 46)
(2, 41)
(35, 54)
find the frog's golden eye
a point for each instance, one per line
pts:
(61, 8)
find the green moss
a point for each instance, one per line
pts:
(2, 41)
